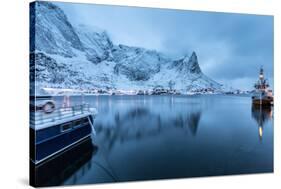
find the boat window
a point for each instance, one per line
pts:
(66, 127)
(77, 123)
(85, 121)
(80, 123)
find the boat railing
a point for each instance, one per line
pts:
(40, 117)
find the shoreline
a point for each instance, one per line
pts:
(174, 95)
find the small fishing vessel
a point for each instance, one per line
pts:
(262, 94)
(53, 129)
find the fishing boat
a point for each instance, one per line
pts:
(53, 130)
(262, 95)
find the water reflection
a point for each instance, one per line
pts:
(156, 137)
(141, 123)
(261, 115)
(193, 122)
(57, 170)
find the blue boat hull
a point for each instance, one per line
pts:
(47, 142)
(54, 171)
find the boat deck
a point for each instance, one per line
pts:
(40, 119)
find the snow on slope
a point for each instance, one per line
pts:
(84, 57)
(51, 30)
(96, 43)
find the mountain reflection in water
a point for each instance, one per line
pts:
(141, 123)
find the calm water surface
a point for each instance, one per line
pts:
(158, 137)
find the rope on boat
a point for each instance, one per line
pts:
(93, 128)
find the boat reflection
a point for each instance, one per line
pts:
(261, 114)
(57, 170)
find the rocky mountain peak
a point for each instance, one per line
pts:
(188, 65)
(193, 57)
(96, 43)
(53, 31)
(193, 65)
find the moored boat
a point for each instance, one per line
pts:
(262, 95)
(53, 129)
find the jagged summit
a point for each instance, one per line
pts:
(193, 56)
(193, 65)
(96, 43)
(85, 57)
(188, 64)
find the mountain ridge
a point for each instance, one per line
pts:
(87, 59)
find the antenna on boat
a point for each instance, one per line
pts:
(261, 73)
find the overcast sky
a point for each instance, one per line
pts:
(230, 47)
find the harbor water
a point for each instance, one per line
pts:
(160, 137)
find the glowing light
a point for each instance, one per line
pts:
(270, 114)
(260, 131)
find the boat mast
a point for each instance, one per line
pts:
(261, 86)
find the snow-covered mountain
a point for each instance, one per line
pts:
(82, 57)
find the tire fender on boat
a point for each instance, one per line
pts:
(49, 107)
